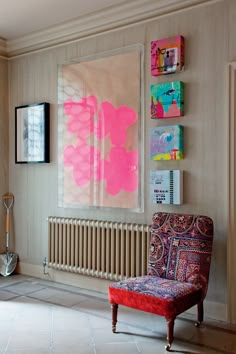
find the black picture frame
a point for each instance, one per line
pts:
(32, 130)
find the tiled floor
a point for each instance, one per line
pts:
(41, 317)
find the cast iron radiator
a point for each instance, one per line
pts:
(105, 249)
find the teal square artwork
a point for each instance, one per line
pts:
(167, 100)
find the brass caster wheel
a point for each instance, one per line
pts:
(198, 324)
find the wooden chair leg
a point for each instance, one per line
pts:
(170, 332)
(114, 308)
(200, 314)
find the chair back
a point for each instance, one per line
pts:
(181, 247)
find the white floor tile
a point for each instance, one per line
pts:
(23, 288)
(118, 348)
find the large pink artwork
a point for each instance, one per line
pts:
(99, 129)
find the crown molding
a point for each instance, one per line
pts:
(3, 48)
(114, 17)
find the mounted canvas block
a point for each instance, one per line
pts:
(167, 55)
(166, 186)
(167, 100)
(166, 143)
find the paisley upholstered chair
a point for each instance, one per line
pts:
(178, 270)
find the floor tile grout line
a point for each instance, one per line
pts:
(9, 337)
(12, 298)
(20, 294)
(52, 326)
(92, 340)
(59, 289)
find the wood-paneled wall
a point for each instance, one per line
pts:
(4, 143)
(209, 46)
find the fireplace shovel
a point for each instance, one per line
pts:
(8, 260)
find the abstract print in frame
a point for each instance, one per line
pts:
(100, 131)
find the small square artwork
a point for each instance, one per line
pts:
(167, 100)
(166, 187)
(166, 143)
(167, 55)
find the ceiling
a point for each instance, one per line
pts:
(23, 17)
(31, 25)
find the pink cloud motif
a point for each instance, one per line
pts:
(82, 115)
(85, 161)
(114, 122)
(120, 170)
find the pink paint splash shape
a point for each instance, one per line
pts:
(114, 122)
(120, 170)
(82, 116)
(85, 161)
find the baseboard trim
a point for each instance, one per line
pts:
(213, 310)
(67, 278)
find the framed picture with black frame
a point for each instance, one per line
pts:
(32, 133)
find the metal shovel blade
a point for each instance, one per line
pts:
(8, 263)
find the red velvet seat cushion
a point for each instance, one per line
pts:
(156, 295)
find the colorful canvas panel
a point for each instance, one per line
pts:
(167, 55)
(167, 100)
(166, 143)
(166, 186)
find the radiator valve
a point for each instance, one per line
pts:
(45, 265)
